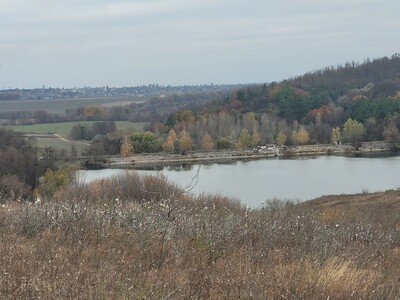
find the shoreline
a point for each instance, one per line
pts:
(159, 160)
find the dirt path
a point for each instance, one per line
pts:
(69, 141)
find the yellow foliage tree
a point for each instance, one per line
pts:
(336, 135)
(207, 142)
(302, 135)
(185, 141)
(172, 134)
(244, 140)
(126, 147)
(281, 138)
(94, 111)
(168, 145)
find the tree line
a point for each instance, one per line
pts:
(351, 103)
(156, 108)
(185, 131)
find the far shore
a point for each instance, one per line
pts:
(155, 160)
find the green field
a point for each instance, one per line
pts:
(60, 144)
(64, 129)
(59, 106)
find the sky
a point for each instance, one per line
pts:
(77, 43)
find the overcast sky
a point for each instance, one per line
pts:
(75, 43)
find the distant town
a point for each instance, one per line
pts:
(48, 93)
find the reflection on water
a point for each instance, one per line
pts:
(296, 179)
(182, 167)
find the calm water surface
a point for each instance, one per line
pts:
(253, 182)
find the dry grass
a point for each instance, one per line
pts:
(142, 238)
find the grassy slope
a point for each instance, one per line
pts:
(64, 129)
(60, 144)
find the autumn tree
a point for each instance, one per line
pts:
(169, 144)
(302, 135)
(255, 138)
(336, 135)
(282, 126)
(172, 135)
(244, 140)
(207, 142)
(126, 147)
(281, 138)
(185, 141)
(353, 131)
(94, 112)
(391, 133)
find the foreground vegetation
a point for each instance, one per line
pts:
(133, 238)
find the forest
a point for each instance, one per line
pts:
(358, 102)
(354, 103)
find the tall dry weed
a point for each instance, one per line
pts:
(117, 240)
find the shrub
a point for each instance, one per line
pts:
(12, 188)
(142, 237)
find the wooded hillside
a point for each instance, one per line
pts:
(355, 102)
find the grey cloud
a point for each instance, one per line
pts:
(187, 41)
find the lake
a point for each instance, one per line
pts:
(254, 182)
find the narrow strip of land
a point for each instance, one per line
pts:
(53, 136)
(150, 160)
(70, 141)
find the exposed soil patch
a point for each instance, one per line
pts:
(380, 201)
